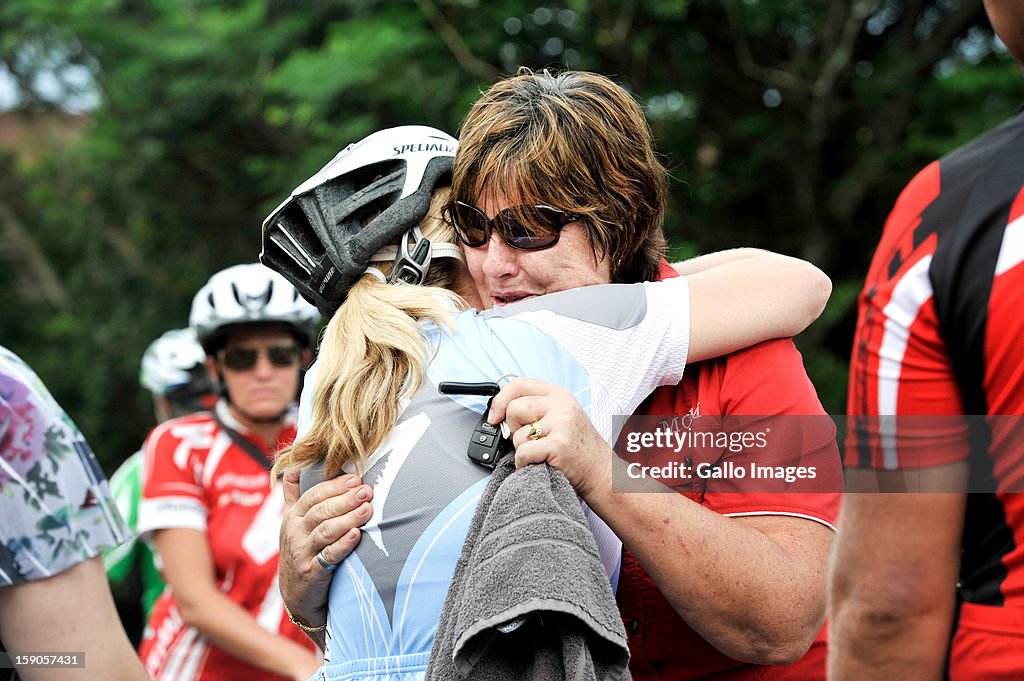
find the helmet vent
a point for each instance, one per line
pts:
(246, 294)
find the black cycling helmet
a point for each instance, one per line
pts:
(322, 239)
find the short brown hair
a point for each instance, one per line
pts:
(576, 141)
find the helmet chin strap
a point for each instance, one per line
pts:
(443, 250)
(412, 265)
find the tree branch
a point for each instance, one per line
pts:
(44, 282)
(904, 28)
(837, 63)
(890, 121)
(127, 250)
(745, 58)
(456, 45)
(623, 23)
(842, 54)
(939, 42)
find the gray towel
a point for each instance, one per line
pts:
(529, 598)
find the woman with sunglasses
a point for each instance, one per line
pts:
(365, 240)
(207, 504)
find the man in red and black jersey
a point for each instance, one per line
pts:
(930, 585)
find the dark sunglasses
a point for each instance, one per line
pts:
(524, 228)
(238, 358)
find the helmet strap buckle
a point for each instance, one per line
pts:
(411, 267)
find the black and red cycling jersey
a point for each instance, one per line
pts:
(941, 334)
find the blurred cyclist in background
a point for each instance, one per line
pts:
(174, 371)
(207, 504)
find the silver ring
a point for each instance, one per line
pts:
(329, 567)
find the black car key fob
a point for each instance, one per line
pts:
(489, 442)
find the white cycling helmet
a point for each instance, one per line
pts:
(173, 361)
(322, 238)
(249, 294)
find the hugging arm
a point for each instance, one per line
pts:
(743, 296)
(752, 585)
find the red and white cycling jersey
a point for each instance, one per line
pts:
(198, 478)
(939, 336)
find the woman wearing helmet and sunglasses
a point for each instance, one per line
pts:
(366, 241)
(207, 503)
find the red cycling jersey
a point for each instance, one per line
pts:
(198, 478)
(938, 336)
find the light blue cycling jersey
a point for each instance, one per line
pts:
(610, 345)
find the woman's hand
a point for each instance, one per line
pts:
(549, 426)
(325, 521)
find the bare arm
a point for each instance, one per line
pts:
(325, 517)
(893, 585)
(188, 569)
(703, 263)
(35, 617)
(744, 296)
(753, 587)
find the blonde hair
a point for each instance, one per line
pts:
(576, 141)
(372, 354)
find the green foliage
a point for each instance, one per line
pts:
(788, 125)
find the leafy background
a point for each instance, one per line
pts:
(151, 137)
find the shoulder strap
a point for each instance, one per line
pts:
(244, 443)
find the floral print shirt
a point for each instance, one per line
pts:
(56, 508)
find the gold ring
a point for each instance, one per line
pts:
(535, 432)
